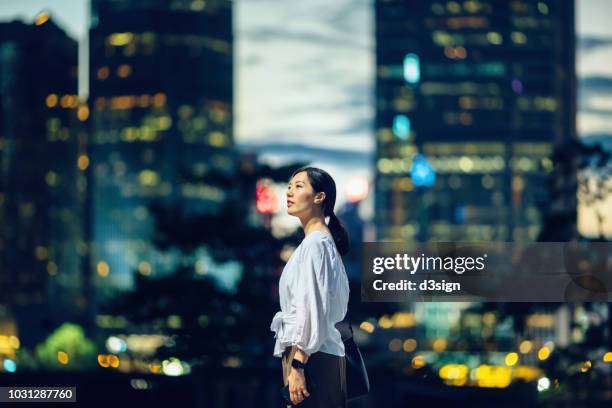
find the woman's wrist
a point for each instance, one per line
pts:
(300, 355)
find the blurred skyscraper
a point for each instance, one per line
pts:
(471, 98)
(162, 95)
(42, 185)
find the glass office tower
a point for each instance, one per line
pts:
(472, 97)
(42, 184)
(162, 111)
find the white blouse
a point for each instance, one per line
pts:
(314, 293)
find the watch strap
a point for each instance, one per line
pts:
(295, 363)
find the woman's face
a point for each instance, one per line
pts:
(301, 196)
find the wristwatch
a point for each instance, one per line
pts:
(295, 363)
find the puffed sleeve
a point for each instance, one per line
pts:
(312, 298)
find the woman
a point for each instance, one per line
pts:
(314, 292)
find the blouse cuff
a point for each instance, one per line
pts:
(308, 352)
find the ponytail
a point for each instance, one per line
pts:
(339, 234)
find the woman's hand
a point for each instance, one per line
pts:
(297, 386)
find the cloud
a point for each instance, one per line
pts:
(595, 83)
(310, 153)
(597, 61)
(605, 139)
(312, 81)
(595, 100)
(587, 44)
(593, 124)
(318, 39)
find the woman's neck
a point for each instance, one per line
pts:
(313, 224)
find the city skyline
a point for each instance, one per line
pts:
(280, 67)
(141, 239)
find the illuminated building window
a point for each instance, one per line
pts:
(460, 88)
(198, 123)
(185, 111)
(453, 7)
(148, 178)
(518, 6)
(384, 165)
(217, 139)
(442, 38)
(198, 5)
(455, 52)
(402, 104)
(495, 38)
(51, 100)
(385, 135)
(219, 114)
(467, 164)
(159, 100)
(461, 69)
(52, 178)
(472, 6)
(144, 100)
(545, 103)
(467, 102)
(518, 37)
(543, 7)
(51, 268)
(69, 101)
(83, 162)
(103, 73)
(122, 102)
(124, 70)
(120, 39)
(102, 269)
(83, 113)
(41, 252)
(467, 22)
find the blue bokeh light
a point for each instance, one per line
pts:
(401, 127)
(423, 175)
(10, 366)
(412, 68)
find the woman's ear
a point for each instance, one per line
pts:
(319, 197)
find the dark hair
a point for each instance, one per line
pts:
(321, 181)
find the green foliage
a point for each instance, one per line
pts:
(69, 338)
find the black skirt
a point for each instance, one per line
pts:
(327, 373)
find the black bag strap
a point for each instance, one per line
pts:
(345, 328)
